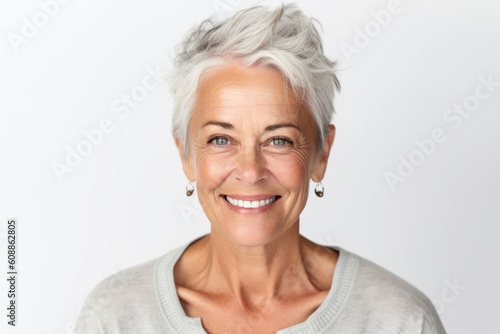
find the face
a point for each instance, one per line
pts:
(252, 152)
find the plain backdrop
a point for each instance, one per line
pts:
(124, 202)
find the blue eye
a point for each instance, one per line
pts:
(280, 141)
(220, 141)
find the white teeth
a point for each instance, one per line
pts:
(250, 204)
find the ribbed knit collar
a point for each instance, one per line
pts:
(323, 317)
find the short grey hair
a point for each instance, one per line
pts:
(283, 38)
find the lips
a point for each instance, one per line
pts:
(250, 204)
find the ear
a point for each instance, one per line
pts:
(186, 161)
(319, 167)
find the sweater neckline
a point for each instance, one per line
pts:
(328, 312)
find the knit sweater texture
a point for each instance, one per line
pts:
(364, 298)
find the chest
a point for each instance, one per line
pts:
(229, 317)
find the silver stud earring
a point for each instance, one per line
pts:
(319, 190)
(189, 189)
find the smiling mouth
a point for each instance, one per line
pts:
(250, 204)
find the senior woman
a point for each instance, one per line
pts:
(253, 105)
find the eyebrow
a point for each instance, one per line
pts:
(281, 125)
(224, 125)
(229, 126)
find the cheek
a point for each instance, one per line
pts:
(211, 171)
(291, 170)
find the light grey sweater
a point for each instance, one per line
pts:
(364, 298)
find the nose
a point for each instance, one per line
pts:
(251, 166)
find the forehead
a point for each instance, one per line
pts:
(235, 90)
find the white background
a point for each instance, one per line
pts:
(124, 204)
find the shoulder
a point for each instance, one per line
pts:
(388, 303)
(125, 297)
(123, 285)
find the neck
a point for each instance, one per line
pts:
(257, 275)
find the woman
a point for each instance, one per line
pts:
(253, 105)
